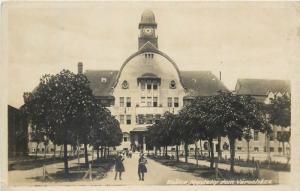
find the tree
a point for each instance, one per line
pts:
(279, 111)
(57, 104)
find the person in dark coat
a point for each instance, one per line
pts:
(119, 167)
(142, 167)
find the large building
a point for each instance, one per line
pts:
(148, 84)
(263, 90)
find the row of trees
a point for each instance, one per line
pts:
(213, 117)
(62, 109)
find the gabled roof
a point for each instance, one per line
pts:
(102, 87)
(261, 87)
(201, 83)
(196, 83)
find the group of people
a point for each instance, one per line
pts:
(119, 166)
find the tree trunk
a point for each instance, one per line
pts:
(97, 153)
(201, 153)
(86, 157)
(212, 153)
(186, 150)
(218, 158)
(166, 150)
(283, 149)
(36, 150)
(66, 158)
(196, 150)
(248, 150)
(101, 152)
(61, 148)
(54, 152)
(268, 149)
(232, 154)
(177, 154)
(45, 151)
(107, 151)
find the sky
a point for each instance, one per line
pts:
(243, 40)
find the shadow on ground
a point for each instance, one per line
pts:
(100, 168)
(209, 174)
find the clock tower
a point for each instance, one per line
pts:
(147, 28)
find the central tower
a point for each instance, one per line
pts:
(147, 28)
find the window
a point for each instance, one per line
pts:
(155, 86)
(155, 99)
(176, 102)
(255, 136)
(149, 86)
(128, 102)
(272, 136)
(143, 86)
(149, 101)
(256, 149)
(121, 101)
(140, 119)
(149, 119)
(279, 149)
(271, 149)
(121, 119)
(239, 148)
(103, 79)
(169, 102)
(143, 101)
(125, 139)
(128, 119)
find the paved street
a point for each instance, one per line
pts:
(157, 174)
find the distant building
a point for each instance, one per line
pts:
(263, 90)
(17, 133)
(148, 84)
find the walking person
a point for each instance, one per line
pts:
(142, 167)
(119, 167)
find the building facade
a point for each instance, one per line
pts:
(148, 84)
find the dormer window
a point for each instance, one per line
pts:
(103, 79)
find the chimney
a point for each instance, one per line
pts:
(80, 68)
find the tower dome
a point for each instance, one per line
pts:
(147, 18)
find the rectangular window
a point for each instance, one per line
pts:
(272, 136)
(239, 148)
(149, 86)
(140, 119)
(143, 101)
(149, 101)
(143, 86)
(155, 99)
(256, 149)
(121, 119)
(125, 139)
(271, 149)
(121, 101)
(169, 102)
(155, 86)
(128, 119)
(255, 136)
(279, 149)
(128, 102)
(176, 102)
(149, 119)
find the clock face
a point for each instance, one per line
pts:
(148, 30)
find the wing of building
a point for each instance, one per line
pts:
(148, 84)
(263, 90)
